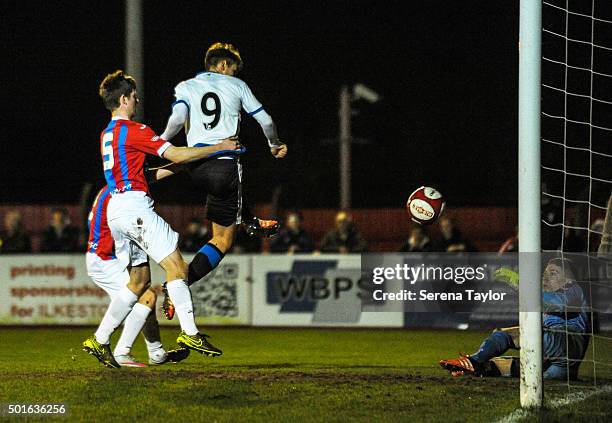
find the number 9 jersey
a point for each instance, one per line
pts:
(215, 101)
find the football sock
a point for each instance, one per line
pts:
(117, 311)
(204, 262)
(495, 345)
(151, 334)
(181, 298)
(132, 326)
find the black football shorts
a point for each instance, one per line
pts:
(221, 180)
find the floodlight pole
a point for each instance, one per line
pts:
(134, 49)
(345, 147)
(530, 292)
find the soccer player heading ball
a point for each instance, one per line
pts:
(209, 107)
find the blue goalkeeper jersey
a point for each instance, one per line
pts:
(567, 306)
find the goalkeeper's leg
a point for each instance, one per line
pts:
(495, 345)
(479, 364)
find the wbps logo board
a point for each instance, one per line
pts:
(306, 290)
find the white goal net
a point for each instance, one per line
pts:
(576, 166)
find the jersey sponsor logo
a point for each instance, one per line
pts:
(125, 188)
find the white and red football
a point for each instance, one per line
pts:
(425, 205)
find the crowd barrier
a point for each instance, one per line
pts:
(257, 290)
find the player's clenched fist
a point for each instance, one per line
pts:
(279, 152)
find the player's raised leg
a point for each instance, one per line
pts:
(204, 262)
(255, 226)
(209, 256)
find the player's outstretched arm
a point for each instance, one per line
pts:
(189, 154)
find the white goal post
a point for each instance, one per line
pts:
(530, 293)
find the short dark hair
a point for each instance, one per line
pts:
(113, 86)
(219, 52)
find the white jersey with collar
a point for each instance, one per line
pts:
(215, 101)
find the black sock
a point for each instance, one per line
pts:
(204, 262)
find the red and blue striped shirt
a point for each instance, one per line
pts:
(124, 145)
(101, 240)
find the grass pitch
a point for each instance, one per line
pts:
(297, 375)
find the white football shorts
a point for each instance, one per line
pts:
(110, 275)
(132, 219)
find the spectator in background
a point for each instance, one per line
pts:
(511, 244)
(345, 238)
(13, 239)
(245, 244)
(60, 236)
(292, 238)
(195, 237)
(452, 239)
(417, 242)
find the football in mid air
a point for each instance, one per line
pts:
(425, 205)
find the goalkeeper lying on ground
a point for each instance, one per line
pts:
(565, 324)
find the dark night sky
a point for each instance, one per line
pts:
(447, 72)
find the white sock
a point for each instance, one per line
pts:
(151, 335)
(116, 313)
(131, 328)
(181, 298)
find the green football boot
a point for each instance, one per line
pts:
(199, 343)
(101, 351)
